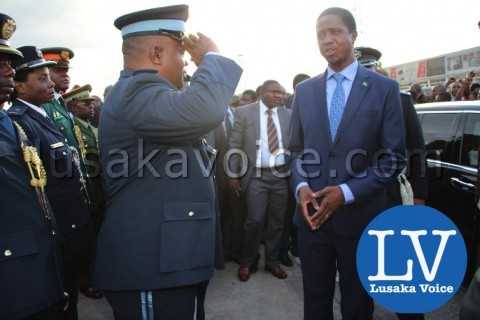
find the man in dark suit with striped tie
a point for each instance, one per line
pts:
(260, 130)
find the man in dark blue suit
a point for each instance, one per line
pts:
(347, 139)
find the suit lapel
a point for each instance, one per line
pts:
(360, 87)
(320, 104)
(44, 121)
(256, 116)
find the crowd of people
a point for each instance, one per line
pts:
(116, 199)
(466, 89)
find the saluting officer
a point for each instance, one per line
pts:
(33, 88)
(157, 242)
(30, 266)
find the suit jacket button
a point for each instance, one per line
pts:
(74, 226)
(7, 253)
(191, 214)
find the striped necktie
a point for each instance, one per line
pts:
(273, 144)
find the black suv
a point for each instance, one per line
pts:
(452, 138)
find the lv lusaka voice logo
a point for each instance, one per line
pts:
(411, 259)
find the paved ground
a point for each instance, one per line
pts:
(262, 298)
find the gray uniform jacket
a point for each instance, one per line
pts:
(159, 228)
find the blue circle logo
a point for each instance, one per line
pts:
(411, 259)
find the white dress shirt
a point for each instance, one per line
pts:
(265, 159)
(34, 107)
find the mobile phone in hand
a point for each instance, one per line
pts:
(311, 209)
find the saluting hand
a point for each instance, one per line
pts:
(197, 47)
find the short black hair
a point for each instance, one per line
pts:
(299, 78)
(21, 76)
(270, 82)
(250, 92)
(344, 14)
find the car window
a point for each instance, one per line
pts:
(438, 130)
(471, 141)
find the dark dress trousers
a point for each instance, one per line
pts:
(64, 192)
(30, 267)
(372, 120)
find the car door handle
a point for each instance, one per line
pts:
(465, 185)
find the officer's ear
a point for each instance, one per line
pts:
(20, 88)
(354, 35)
(156, 54)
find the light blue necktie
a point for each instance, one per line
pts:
(337, 105)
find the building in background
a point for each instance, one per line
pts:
(432, 71)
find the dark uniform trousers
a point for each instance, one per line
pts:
(179, 303)
(63, 190)
(267, 199)
(30, 267)
(52, 313)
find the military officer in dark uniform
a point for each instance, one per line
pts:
(369, 58)
(71, 128)
(33, 88)
(157, 242)
(81, 104)
(30, 266)
(57, 109)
